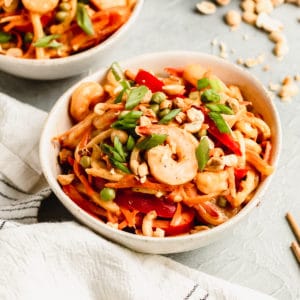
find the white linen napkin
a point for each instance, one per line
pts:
(65, 260)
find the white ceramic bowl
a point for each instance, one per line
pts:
(59, 121)
(57, 68)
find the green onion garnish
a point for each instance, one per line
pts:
(151, 141)
(202, 153)
(216, 84)
(130, 143)
(220, 122)
(202, 83)
(210, 96)
(170, 116)
(128, 120)
(48, 41)
(117, 71)
(220, 108)
(135, 96)
(83, 19)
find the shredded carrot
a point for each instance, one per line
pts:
(82, 178)
(112, 217)
(123, 225)
(200, 199)
(130, 216)
(129, 181)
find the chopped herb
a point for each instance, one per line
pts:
(220, 122)
(83, 19)
(202, 83)
(120, 97)
(130, 143)
(151, 141)
(5, 37)
(215, 84)
(135, 96)
(210, 96)
(170, 116)
(119, 148)
(116, 155)
(128, 120)
(48, 41)
(112, 152)
(220, 108)
(117, 71)
(121, 167)
(202, 153)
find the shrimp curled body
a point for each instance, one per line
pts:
(180, 144)
(84, 96)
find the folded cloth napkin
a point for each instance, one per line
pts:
(65, 260)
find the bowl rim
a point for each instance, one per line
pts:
(81, 55)
(93, 223)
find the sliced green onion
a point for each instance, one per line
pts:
(135, 96)
(120, 97)
(151, 141)
(108, 194)
(130, 143)
(121, 166)
(170, 116)
(220, 122)
(210, 96)
(220, 108)
(119, 148)
(202, 153)
(216, 84)
(48, 41)
(83, 19)
(127, 120)
(5, 37)
(117, 71)
(112, 153)
(163, 112)
(155, 108)
(158, 97)
(202, 83)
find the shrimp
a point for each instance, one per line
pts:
(85, 95)
(160, 158)
(212, 182)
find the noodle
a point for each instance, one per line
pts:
(66, 28)
(155, 174)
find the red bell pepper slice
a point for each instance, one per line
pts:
(145, 203)
(224, 138)
(240, 173)
(184, 226)
(150, 81)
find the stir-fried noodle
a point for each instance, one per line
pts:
(58, 28)
(163, 155)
